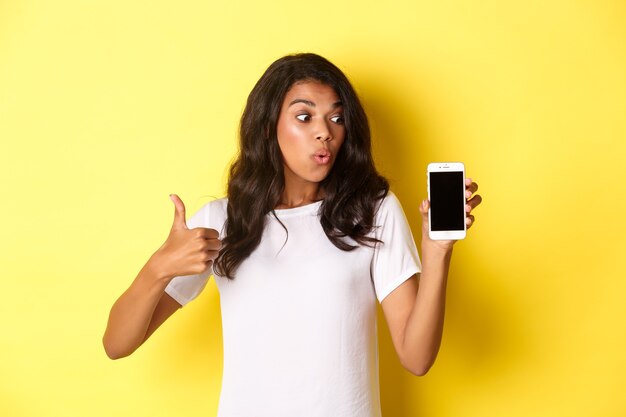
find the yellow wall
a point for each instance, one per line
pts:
(106, 107)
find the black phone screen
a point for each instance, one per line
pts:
(447, 201)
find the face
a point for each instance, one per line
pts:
(310, 132)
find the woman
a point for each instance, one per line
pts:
(307, 241)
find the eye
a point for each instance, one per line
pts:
(337, 119)
(303, 117)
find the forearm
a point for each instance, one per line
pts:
(424, 328)
(131, 314)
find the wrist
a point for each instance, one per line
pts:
(437, 249)
(156, 270)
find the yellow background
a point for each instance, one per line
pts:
(106, 107)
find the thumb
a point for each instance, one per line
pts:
(424, 211)
(179, 213)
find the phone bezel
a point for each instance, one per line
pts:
(447, 234)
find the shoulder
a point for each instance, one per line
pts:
(218, 206)
(212, 214)
(390, 204)
(389, 213)
(214, 206)
(390, 199)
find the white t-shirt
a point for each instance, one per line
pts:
(299, 319)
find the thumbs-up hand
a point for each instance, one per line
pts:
(186, 251)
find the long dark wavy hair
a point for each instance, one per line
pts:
(352, 188)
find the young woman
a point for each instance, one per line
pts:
(306, 243)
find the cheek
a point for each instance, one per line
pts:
(291, 133)
(340, 137)
(286, 149)
(289, 142)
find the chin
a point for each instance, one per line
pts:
(313, 175)
(316, 179)
(320, 177)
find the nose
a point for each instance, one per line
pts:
(323, 132)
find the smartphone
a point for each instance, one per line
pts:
(446, 192)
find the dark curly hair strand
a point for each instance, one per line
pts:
(352, 188)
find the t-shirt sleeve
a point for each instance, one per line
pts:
(396, 259)
(185, 288)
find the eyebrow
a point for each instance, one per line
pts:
(311, 104)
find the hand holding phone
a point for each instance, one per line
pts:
(446, 192)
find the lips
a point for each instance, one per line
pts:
(322, 156)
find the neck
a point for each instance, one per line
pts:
(301, 196)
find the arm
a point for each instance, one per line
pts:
(144, 306)
(415, 310)
(137, 313)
